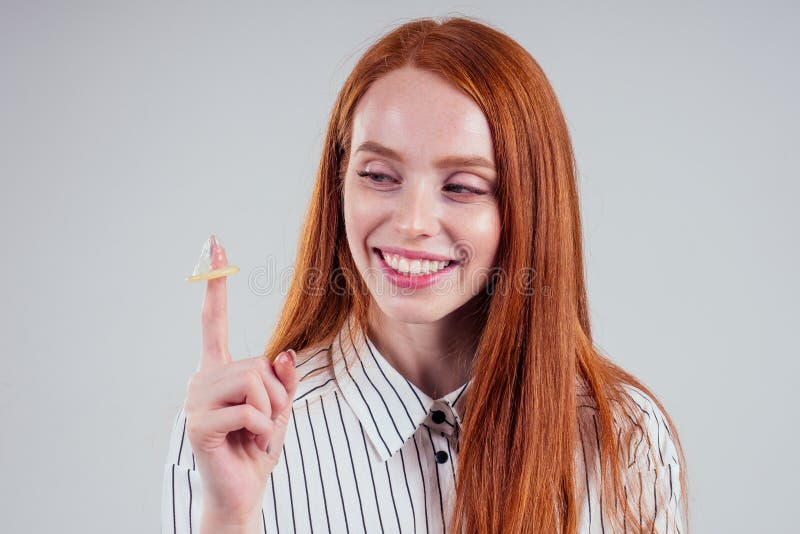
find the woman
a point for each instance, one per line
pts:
(468, 399)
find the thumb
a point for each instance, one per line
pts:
(284, 366)
(287, 373)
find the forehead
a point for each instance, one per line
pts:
(422, 116)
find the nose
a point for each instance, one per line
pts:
(416, 213)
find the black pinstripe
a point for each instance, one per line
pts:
(393, 418)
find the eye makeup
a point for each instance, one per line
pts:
(374, 177)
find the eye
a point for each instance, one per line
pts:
(373, 176)
(465, 189)
(455, 188)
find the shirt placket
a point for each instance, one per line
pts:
(443, 428)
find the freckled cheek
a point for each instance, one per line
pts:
(483, 231)
(362, 216)
(364, 221)
(365, 209)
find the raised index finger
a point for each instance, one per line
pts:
(215, 313)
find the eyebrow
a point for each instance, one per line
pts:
(448, 161)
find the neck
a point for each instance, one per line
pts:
(436, 357)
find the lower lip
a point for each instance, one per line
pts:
(413, 282)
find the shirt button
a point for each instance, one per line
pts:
(438, 416)
(441, 457)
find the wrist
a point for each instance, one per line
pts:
(216, 522)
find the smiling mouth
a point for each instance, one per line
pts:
(414, 267)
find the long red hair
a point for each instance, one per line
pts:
(517, 451)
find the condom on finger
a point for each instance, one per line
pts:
(203, 271)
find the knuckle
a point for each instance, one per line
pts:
(193, 426)
(208, 312)
(283, 399)
(192, 380)
(215, 347)
(281, 419)
(261, 363)
(270, 424)
(194, 383)
(267, 410)
(189, 406)
(250, 415)
(253, 380)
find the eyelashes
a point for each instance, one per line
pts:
(378, 178)
(372, 175)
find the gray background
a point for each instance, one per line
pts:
(129, 133)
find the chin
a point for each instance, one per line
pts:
(415, 312)
(410, 312)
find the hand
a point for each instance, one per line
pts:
(236, 413)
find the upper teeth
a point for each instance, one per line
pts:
(414, 267)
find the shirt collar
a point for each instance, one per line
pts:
(388, 406)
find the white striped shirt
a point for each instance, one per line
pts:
(368, 451)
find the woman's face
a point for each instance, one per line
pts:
(430, 191)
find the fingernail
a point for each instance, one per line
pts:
(294, 356)
(217, 255)
(217, 244)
